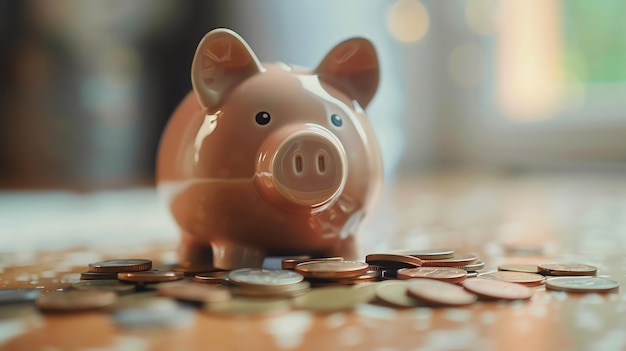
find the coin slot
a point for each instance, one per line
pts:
(321, 163)
(298, 164)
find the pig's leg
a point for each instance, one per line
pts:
(193, 252)
(232, 256)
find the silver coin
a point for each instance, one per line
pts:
(395, 292)
(18, 295)
(582, 284)
(260, 276)
(473, 267)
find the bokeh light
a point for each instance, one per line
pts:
(407, 20)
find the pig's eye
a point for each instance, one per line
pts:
(263, 118)
(336, 119)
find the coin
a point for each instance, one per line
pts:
(439, 293)
(394, 292)
(446, 274)
(150, 276)
(220, 277)
(472, 274)
(75, 300)
(473, 267)
(191, 270)
(195, 292)
(525, 268)
(116, 266)
(153, 313)
(527, 279)
(459, 260)
(261, 276)
(393, 262)
(106, 285)
(249, 306)
(567, 269)
(369, 276)
(329, 299)
(287, 290)
(290, 263)
(18, 295)
(97, 275)
(430, 254)
(582, 284)
(332, 269)
(497, 289)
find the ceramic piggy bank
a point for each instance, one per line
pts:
(270, 159)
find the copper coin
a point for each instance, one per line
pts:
(369, 276)
(582, 284)
(220, 277)
(116, 266)
(150, 276)
(439, 293)
(525, 268)
(262, 276)
(75, 300)
(567, 269)
(431, 254)
(332, 269)
(446, 274)
(191, 270)
(528, 279)
(459, 260)
(497, 289)
(394, 292)
(291, 263)
(98, 276)
(393, 261)
(195, 292)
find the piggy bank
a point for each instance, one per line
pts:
(270, 159)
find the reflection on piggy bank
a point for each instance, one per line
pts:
(271, 159)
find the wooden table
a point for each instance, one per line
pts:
(504, 218)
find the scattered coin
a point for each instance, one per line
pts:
(150, 276)
(497, 289)
(116, 266)
(582, 284)
(394, 292)
(439, 293)
(472, 267)
(567, 269)
(446, 274)
(459, 260)
(250, 306)
(472, 274)
(288, 290)
(525, 268)
(329, 299)
(369, 276)
(261, 276)
(393, 262)
(18, 295)
(106, 285)
(291, 263)
(220, 277)
(195, 292)
(332, 269)
(527, 279)
(97, 276)
(154, 313)
(75, 300)
(191, 270)
(434, 254)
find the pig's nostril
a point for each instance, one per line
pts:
(321, 163)
(298, 164)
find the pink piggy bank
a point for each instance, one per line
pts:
(271, 159)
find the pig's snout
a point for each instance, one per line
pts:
(303, 167)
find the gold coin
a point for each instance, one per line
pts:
(497, 289)
(525, 268)
(567, 269)
(150, 276)
(329, 299)
(116, 266)
(446, 274)
(249, 306)
(459, 260)
(75, 300)
(332, 269)
(527, 279)
(394, 292)
(439, 293)
(291, 263)
(106, 285)
(195, 292)
(431, 254)
(582, 284)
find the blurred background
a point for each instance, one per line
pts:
(87, 86)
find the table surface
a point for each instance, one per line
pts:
(512, 218)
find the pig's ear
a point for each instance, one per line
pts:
(222, 61)
(352, 67)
